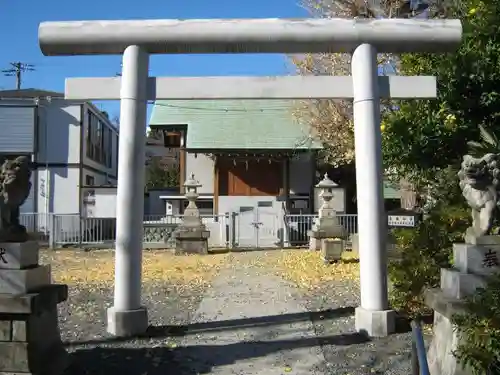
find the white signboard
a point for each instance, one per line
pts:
(401, 221)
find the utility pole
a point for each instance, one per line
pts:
(17, 70)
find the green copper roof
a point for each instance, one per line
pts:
(235, 124)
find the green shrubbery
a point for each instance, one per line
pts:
(479, 328)
(424, 251)
(424, 137)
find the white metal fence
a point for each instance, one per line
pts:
(297, 227)
(59, 230)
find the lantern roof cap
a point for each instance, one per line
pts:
(191, 182)
(326, 183)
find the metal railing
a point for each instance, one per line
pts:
(420, 366)
(74, 230)
(297, 226)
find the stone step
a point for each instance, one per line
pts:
(23, 281)
(445, 339)
(456, 284)
(35, 303)
(443, 304)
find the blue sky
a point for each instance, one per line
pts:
(19, 42)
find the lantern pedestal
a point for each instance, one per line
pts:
(331, 250)
(191, 241)
(318, 235)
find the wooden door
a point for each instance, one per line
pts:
(250, 178)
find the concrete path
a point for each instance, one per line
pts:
(251, 324)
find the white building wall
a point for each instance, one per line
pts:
(59, 132)
(105, 203)
(234, 203)
(58, 190)
(60, 148)
(58, 143)
(29, 205)
(58, 155)
(203, 168)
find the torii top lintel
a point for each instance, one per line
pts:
(249, 36)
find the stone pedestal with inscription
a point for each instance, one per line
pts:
(30, 342)
(472, 263)
(327, 225)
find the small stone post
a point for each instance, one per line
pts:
(191, 236)
(327, 224)
(30, 341)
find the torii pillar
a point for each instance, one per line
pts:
(137, 39)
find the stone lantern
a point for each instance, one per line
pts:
(328, 189)
(191, 213)
(191, 236)
(327, 225)
(326, 186)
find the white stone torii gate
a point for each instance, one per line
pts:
(137, 39)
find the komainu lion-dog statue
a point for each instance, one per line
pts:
(15, 188)
(479, 181)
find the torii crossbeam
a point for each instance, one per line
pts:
(137, 39)
(288, 87)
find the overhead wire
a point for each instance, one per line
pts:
(158, 103)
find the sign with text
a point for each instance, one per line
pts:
(401, 221)
(401, 218)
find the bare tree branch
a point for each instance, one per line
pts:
(331, 120)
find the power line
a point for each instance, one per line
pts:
(277, 108)
(17, 70)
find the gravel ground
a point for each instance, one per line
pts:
(92, 351)
(332, 312)
(171, 308)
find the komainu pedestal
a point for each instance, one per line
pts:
(472, 263)
(30, 341)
